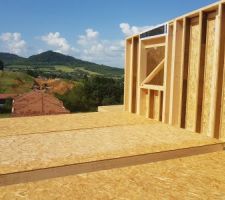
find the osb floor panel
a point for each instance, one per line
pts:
(190, 178)
(35, 151)
(44, 124)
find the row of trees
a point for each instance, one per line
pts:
(93, 92)
(77, 75)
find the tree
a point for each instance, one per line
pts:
(1, 65)
(93, 92)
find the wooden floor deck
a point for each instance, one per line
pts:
(67, 122)
(190, 178)
(51, 149)
(36, 151)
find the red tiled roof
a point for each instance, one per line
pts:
(7, 96)
(37, 103)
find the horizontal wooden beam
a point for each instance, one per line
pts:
(155, 37)
(153, 87)
(155, 45)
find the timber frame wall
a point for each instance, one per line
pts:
(179, 77)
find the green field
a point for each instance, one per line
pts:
(69, 69)
(89, 72)
(63, 68)
(60, 71)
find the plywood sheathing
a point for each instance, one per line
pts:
(220, 111)
(35, 151)
(107, 164)
(56, 123)
(142, 70)
(196, 177)
(155, 74)
(154, 57)
(176, 74)
(185, 63)
(209, 77)
(193, 74)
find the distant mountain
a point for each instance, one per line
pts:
(10, 59)
(51, 58)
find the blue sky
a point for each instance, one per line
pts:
(92, 30)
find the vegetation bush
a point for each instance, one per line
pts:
(93, 92)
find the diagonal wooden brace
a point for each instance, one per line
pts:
(154, 72)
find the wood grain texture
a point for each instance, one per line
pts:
(191, 178)
(177, 75)
(35, 151)
(167, 76)
(134, 85)
(142, 70)
(127, 75)
(209, 79)
(193, 74)
(154, 74)
(219, 128)
(155, 57)
(69, 122)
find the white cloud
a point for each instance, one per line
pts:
(13, 43)
(89, 46)
(95, 49)
(57, 42)
(129, 30)
(111, 52)
(90, 35)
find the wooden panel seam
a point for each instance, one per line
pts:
(67, 170)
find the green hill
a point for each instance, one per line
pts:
(51, 59)
(15, 82)
(12, 59)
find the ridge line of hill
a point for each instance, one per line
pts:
(51, 59)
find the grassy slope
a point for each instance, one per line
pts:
(68, 69)
(15, 82)
(63, 68)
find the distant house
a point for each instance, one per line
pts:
(3, 97)
(37, 103)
